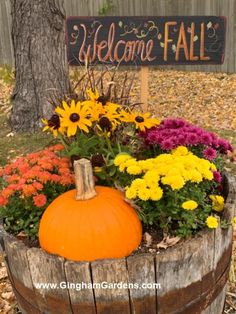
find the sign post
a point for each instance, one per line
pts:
(144, 87)
(146, 41)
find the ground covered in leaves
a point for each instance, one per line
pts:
(207, 99)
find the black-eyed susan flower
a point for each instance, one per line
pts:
(104, 124)
(102, 100)
(93, 95)
(53, 124)
(97, 160)
(141, 121)
(73, 117)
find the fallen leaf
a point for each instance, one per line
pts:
(167, 242)
(3, 272)
(147, 238)
(21, 235)
(8, 295)
(11, 134)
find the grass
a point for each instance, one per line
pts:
(13, 145)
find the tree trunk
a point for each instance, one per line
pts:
(40, 63)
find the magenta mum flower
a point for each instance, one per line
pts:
(172, 133)
(209, 153)
(167, 145)
(217, 176)
(206, 139)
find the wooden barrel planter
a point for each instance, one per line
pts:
(192, 276)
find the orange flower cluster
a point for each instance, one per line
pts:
(29, 176)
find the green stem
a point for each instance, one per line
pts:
(109, 145)
(63, 142)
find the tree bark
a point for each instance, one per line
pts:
(40, 62)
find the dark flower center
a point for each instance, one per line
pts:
(54, 122)
(97, 160)
(102, 99)
(74, 117)
(105, 124)
(139, 119)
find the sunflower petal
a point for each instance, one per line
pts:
(61, 111)
(72, 128)
(45, 128)
(65, 105)
(72, 105)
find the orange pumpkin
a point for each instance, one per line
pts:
(95, 224)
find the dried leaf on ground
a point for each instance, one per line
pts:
(167, 242)
(147, 238)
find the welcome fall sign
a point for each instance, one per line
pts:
(146, 40)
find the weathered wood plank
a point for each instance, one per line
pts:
(141, 270)
(217, 305)
(207, 263)
(18, 268)
(169, 280)
(176, 270)
(81, 296)
(49, 269)
(114, 300)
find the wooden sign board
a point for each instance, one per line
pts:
(146, 40)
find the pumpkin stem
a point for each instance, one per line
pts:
(85, 187)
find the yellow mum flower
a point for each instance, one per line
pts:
(146, 164)
(195, 176)
(156, 193)
(208, 175)
(212, 222)
(131, 162)
(233, 221)
(122, 167)
(131, 193)
(218, 202)
(151, 177)
(138, 184)
(180, 151)
(134, 170)
(144, 194)
(176, 182)
(121, 158)
(190, 205)
(74, 116)
(166, 158)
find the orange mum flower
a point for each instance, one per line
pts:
(64, 170)
(7, 192)
(40, 200)
(23, 168)
(56, 147)
(13, 178)
(55, 178)
(37, 185)
(28, 190)
(3, 201)
(66, 180)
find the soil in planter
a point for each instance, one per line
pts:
(151, 237)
